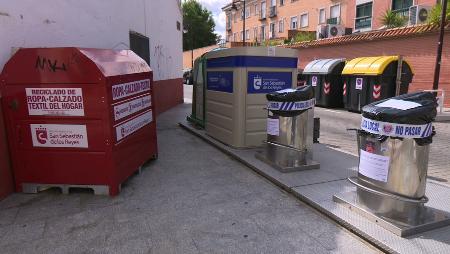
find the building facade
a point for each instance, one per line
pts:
(108, 24)
(272, 19)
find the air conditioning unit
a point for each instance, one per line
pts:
(335, 30)
(322, 32)
(418, 14)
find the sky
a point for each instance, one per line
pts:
(215, 6)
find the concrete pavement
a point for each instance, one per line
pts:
(193, 199)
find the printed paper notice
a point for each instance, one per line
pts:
(273, 126)
(314, 81)
(55, 101)
(359, 83)
(59, 135)
(374, 166)
(399, 104)
(271, 51)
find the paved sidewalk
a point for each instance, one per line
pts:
(333, 132)
(193, 199)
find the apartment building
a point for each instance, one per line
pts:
(272, 19)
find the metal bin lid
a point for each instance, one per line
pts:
(322, 66)
(369, 65)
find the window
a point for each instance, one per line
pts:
(304, 20)
(234, 37)
(293, 23)
(140, 45)
(263, 9)
(401, 6)
(242, 35)
(281, 26)
(272, 30)
(335, 14)
(281, 2)
(247, 34)
(256, 10)
(255, 33)
(322, 16)
(363, 18)
(229, 21)
(242, 14)
(263, 33)
(247, 12)
(273, 2)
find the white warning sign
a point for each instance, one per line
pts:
(120, 91)
(273, 127)
(133, 125)
(131, 107)
(374, 166)
(55, 101)
(59, 135)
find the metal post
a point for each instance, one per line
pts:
(192, 50)
(398, 80)
(437, 68)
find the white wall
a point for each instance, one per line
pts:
(96, 24)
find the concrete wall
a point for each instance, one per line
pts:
(96, 24)
(419, 51)
(187, 55)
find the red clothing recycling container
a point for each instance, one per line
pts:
(6, 179)
(77, 117)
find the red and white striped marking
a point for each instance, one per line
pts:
(345, 89)
(376, 91)
(326, 88)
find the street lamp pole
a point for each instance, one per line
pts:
(437, 68)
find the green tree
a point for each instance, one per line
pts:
(199, 23)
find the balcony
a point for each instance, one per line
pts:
(334, 21)
(273, 11)
(363, 22)
(402, 12)
(262, 16)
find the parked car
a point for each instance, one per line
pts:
(187, 76)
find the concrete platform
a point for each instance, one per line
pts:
(317, 187)
(443, 117)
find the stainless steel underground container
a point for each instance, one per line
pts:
(394, 145)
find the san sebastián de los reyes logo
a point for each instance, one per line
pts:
(41, 135)
(257, 82)
(387, 128)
